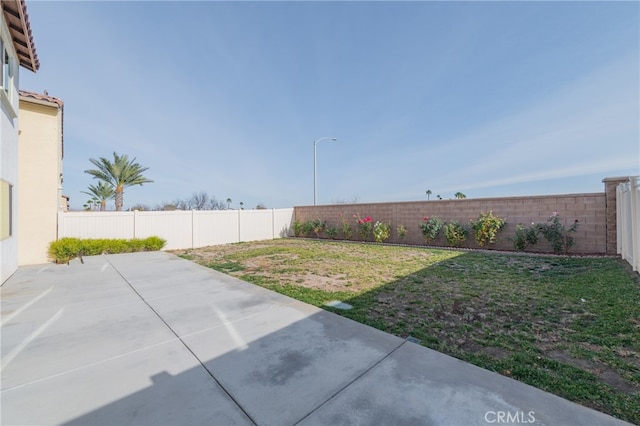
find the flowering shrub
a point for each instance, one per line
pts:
(557, 234)
(346, 229)
(559, 237)
(431, 228)
(381, 232)
(365, 227)
(455, 233)
(486, 228)
(401, 230)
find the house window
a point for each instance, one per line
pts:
(6, 219)
(6, 72)
(2, 75)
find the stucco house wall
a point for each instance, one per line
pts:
(9, 160)
(39, 174)
(17, 42)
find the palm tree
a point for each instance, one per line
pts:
(459, 195)
(241, 205)
(229, 203)
(120, 174)
(102, 192)
(428, 194)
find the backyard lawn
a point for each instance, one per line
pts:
(567, 325)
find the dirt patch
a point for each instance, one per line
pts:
(335, 283)
(606, 374)
(491, 351)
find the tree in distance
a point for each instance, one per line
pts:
(101, 192)
(120, 174)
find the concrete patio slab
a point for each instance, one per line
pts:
(158, 385)
(427, 387)
(295, 351)
(150, 339)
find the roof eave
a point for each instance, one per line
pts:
(17, 18)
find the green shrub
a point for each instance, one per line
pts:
(401, 230)
(381, 232)
(525, 237)
(297, 228)
(154, 243)
(307, 228)
(365, 227)
(455, 233)
(332, 232)
(318, 226)
(431, 228)
(486, 228)
(347, 230)
(557, 234)
(136, 244)
(94, 247)
(65, 249)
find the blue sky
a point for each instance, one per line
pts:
(486, 98)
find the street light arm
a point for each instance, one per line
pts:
(323, 138)
(315, 175)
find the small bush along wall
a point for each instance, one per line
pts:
(511, 223)
(65, 249)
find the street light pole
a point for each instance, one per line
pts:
(315, 173)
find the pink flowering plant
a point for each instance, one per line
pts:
(559, 236)
(365, 227)
(431, 227)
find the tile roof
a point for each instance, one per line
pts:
(42, 97)
(46, 97)
(17, 18)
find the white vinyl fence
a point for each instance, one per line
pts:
(181, 229)
(628, 221)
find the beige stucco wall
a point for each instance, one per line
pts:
(39, 174)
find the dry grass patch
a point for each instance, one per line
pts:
(570, 326)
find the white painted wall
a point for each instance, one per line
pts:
(9, 157)
(181, 229)
(9, 174)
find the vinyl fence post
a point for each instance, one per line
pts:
(635, 222)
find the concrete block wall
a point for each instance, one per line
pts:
(589, 209)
